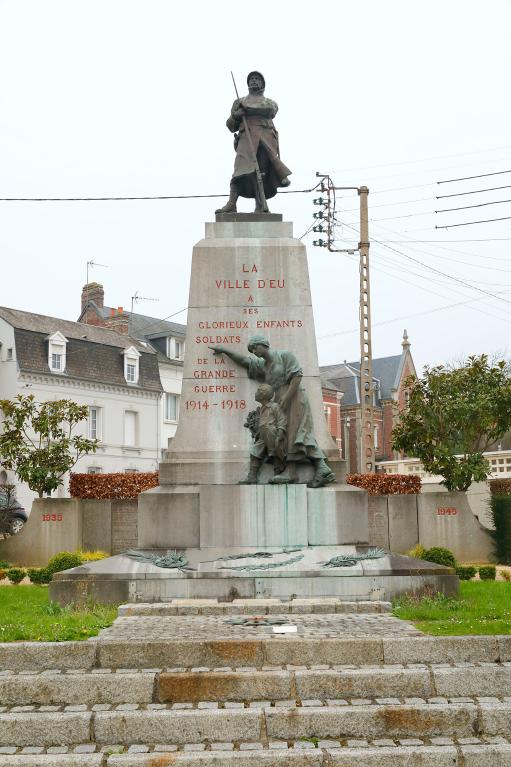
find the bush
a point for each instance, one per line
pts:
(91, 556)
(385, 484)
(64, 560)
(4, 565)
(118, 485)
(440, 556)
(418, 552)
(500, 512)
(39, 575)
(465, 572)
(500, 486)
(16, 574)
(3, 573)
(487, 572)
(506, 575)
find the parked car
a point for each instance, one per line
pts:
(12, 514)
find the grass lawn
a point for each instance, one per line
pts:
(484, 607)
(26, 613)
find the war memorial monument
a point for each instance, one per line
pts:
(252, 500)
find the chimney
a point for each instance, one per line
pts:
(118, 320)
(93, 291)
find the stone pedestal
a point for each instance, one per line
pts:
(249, 277)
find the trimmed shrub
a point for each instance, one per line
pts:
(384, 484)
(500, 512)
(487, 572)
(506, 575)
(418, 552)
(3, 573)
(64, 560)
(440, 556)
(16, 574)
(466, 572)
(107, 486)
(39, 575)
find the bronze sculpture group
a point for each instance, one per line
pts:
(285, 430)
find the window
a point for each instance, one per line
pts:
(131, 365)
(9, 354)
(131, 471)
(175, 349)
(376, 436)
(95, 422)
(130, 428)
(94, 470)
(57, 352)
(171, 407)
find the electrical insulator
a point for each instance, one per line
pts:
(319, 214)
(318, 228)
(320, 243)
(320, 201)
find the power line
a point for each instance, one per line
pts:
(469, 223)
(478, 205)
(438, 271)
(468, 178)
(403, 317)
(144, 197)
(474, 191)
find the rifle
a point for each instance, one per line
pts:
(259, 178)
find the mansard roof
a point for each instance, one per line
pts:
(92, 353)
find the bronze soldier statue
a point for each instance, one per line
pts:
(258, 152)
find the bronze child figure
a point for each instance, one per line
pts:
(270, 437)
(255, 113)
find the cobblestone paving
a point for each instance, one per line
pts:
(89, 748)
(212, 627)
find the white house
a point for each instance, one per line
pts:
(166, 339)
(115, 375)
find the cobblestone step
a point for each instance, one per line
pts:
(257, 648)
(248, 684)
(253, 607)
(463, 752)
(128, 725)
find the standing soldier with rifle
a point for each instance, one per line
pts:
(258, 169)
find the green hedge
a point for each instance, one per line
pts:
(500, 507)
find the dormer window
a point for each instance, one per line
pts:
(57, 352)
(175, 348)
(131, 365)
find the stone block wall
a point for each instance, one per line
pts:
(400, 522)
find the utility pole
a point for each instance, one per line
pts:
(327, 221)
(366, 365)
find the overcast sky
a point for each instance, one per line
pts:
(130, 97)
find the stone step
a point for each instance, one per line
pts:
(264, 649)
(254, 607)
(288, 722)
(455, 754)
(106, 686)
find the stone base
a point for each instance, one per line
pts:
(299, 573)
(210, 516)
(229, 468)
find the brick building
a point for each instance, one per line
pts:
(341, 402)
